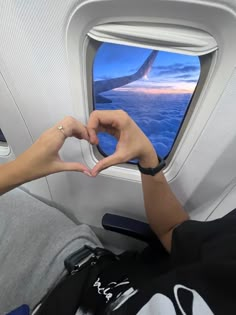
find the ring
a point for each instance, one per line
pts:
(61, 129)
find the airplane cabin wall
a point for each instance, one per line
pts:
(43, 79)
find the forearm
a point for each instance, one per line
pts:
(12, 174)
(42, 158)
(163, 209)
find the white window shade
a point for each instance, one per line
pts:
(172, 38)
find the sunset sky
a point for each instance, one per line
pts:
(170, 73)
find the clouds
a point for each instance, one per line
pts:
(103, 77)
(176, 73)
(156, 86)
(158, 115)
(187, 77)
(149, 84)
(174, 69)
(183, 76)
(191, 81)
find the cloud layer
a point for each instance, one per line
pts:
(159, 116)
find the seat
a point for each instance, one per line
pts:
(135, 229)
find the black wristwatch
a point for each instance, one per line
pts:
(152, 171)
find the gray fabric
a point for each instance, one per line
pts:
(34, 241)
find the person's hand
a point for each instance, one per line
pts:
(42, 157)
(132, 142)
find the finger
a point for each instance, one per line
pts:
(80, 131)
(71, 127)
(104, 121)
(93, 127)
(111, 160)
(93, 139)
(74, 166)
(100, 118)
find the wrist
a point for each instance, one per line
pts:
(149, 159)
(152, 170)
(11, 176)
(21, 171)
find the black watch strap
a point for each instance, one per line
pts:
(152, 171)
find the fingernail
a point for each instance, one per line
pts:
(87, 173)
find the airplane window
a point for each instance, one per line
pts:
(154, 87)
(2, 138)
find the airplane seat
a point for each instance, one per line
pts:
(111, 222)
(138, 230)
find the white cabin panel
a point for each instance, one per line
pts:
(18, 137)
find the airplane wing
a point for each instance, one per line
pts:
(110, 84)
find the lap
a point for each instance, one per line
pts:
(34, 241)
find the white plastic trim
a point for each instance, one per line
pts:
(178, 39)
(4, 149)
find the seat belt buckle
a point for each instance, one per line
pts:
(79, 259)
(85, 256)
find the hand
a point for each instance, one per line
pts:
(132, 142)
(42, 157)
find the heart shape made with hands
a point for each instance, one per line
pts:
(103, 163)
(132, 142)
(92, 138)
(82, 132)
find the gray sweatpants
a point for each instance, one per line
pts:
(34, 241)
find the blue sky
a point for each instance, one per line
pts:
(170, 73)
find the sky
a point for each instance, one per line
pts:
(170, 74)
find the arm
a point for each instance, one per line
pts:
(163, 209)
(11, 176)
(42, 157)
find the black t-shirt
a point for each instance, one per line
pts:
(198, 277)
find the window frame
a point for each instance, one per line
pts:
(3, 136)
(4, 147)
(205, 65)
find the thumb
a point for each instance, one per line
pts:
(105, 163)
